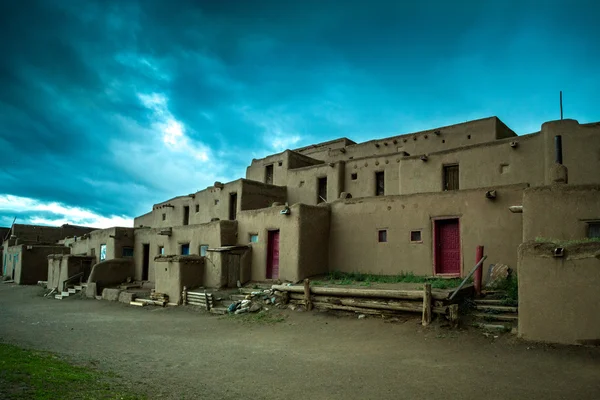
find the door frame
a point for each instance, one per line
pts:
(269, 260)
(145, 261)
(434, 221)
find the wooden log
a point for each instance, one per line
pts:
(426, 320)
(382, 306)
(354, 292)
(453, 315)
(307, 301)
(195, 303)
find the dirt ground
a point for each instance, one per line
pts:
(178, 353)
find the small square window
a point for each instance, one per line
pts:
(102, 252)
(197, 207)
(203, 249)
(354, 176)
(415, 237)
(254, 238)
(216, 202)
(594, 229)
(382, 235)
(164, 216)
(127, 251)
(161, 250)
(185, 249)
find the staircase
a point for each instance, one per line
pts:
(496, 311)
(70, 291)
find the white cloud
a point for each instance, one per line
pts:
(56, 214)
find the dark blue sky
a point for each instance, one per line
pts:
(107, 107)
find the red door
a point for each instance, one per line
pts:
(447, 247)
(273, 255)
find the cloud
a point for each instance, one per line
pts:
(41, 213)
(111, 106)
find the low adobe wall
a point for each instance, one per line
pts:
(172, 273)
(111, 272)
(559, 300)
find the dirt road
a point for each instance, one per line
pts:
(181, 354)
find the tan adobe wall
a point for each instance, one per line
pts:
(295, 262)
(115, 239)
(63, 267)
(257, 195)
(581, 150)
(47, 234)
(172, 276)
(282, 163)
(111, 272)
(212, 234)
(484, 165)
(560, 211)
(303, 183)
(559, 300)
(213, 202)
(365, 170)
(31, 265)
(503, 131)
(320, 151)
(450, 137)
(353, 240)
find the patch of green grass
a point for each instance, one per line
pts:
(357, 278)
(560, 242)
(261, 317)
(511, 287)
(26, 374)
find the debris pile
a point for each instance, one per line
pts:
(255, 300)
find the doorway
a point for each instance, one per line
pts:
(232, 206)
(186, 215)
(145, 261)
(447, 247)
(273, 255)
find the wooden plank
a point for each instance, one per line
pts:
(354, 292)
(307, 302)
(383, 306)
(498, 317)
(503, 309)
(426, 319)
(137, 303)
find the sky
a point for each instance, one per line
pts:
(108, 107)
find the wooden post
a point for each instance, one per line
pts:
(184, 296)
(453, 315)
(307, 301)
(426, 304)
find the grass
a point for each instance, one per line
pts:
(357, 278)
(564, 243)
(261, 317)
(26, 374)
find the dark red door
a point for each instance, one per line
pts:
(447, 247)
(273, 255)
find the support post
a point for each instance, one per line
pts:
(307, 301)
(426, 304)
(478, 271)
(453, 315)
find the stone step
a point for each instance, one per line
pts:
(237, 297)
(504, 309)
(64, 294)
(79, 287)
(497, 317)
(218, 310)
(250, 290)
(72, 290)
(58, 296)
(498, 302)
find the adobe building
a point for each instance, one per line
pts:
(417, 203)
(26, 248)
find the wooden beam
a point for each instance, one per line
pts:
(426, 304)
(307, 302)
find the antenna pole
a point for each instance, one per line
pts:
(561, 107)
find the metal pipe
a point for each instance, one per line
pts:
(558, 149)
(467, 277)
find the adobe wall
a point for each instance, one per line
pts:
(303, 186)
(111, 272)
(32, 265)
(255, 195)
(559, 300)
(485, 165)
(63, 267)
(13, 259)
(47, 234)
(282, 163)
(581, 150)
(560, 211)
(320, 151)
(115, 239)
(212, 234)
(295, 245)
(172, 276)
(212, 202)
(353, 239)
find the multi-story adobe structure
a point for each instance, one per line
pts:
(417, 203)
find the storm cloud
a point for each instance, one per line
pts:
(107, 107)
